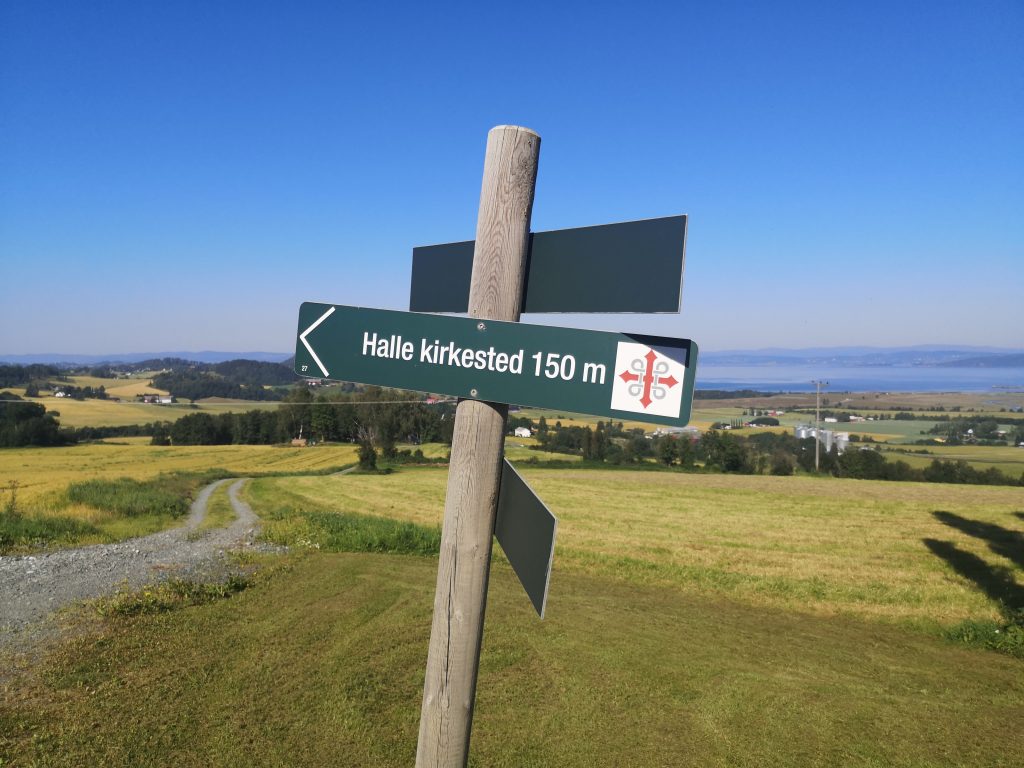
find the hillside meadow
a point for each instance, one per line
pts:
(693, 620)
(107, 413)
(826, 546)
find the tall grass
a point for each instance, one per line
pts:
(19, 532)
(132, 507)
(167, 494)
(349, 532)
(128, 497)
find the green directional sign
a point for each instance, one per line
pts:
(622, 376)
(629, 266)
(526, 529)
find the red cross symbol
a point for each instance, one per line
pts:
(650, 378)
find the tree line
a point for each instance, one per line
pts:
(234, 379)
(762, 453)
(380, 418)
(24, 424)
(22, 375)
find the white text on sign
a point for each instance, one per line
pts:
(643, 380)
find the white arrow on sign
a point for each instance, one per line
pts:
(305, 333)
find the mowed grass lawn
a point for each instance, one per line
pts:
(693, 620)
(322, 665)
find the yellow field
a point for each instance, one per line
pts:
(132, 388)
(1009, 460)
(826, 546)
(42, 471)
(107, 413)
(577, 419)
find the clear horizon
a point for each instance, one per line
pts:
(183, 177)
(849, 351)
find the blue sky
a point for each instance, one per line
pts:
(181, 176)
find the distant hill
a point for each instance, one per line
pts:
(988, 361)
(186, 379)
(929, 355)
(237, 379)
(55, 358)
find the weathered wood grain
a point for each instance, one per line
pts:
(499, 268)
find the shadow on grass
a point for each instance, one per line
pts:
(994, 580)
(1002, 541)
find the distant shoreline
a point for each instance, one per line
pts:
(798, 378)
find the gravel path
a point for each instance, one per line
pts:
(33, 587)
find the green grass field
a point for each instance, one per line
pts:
(693, 620)
(1009, 460)
(321, 664)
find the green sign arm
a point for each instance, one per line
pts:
(629, 266)
(622, 376)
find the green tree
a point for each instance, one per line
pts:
(323, 420)
(782, 463)
(295, 414)
(161, 434)
(667, 450)
(367, 456)
(587, 444)
(600, 443)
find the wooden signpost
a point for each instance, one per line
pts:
(489, 361)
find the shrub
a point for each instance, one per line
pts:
(19, 532)
(127, 497)
(176, 593)
(350, 532)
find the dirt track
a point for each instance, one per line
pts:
(34, 587)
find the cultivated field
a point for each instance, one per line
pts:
(41, 472)
(694, 620)
(111, 413)
(991, 403)
(1009, 460)
(826, 546)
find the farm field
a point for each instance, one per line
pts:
(694, 620)
(108, 413)
(37, 478)
(1009, 460)
(131, 387)
(43, 471)
(826, 546)
(995, 403)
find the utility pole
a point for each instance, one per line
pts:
(818, 384)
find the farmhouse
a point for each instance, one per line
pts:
(693, 433)
(158, 399)
(523, 432)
